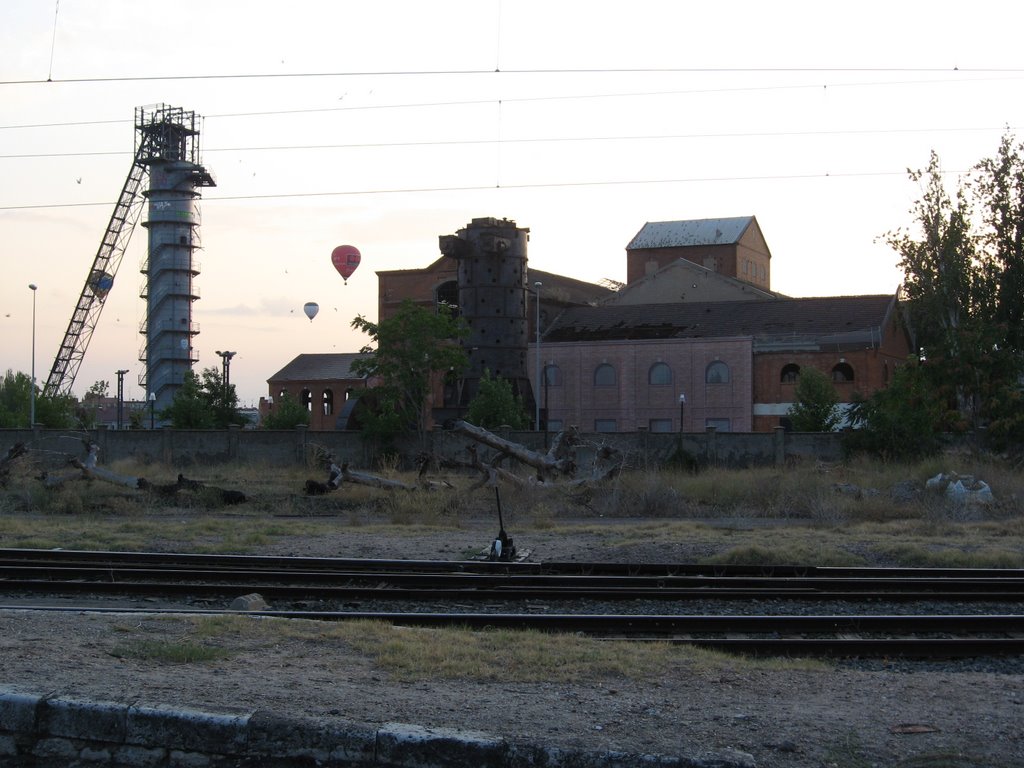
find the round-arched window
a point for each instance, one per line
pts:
(842, 372)
(790, 373)
(659, 374)
(604, 376)
(717, 373)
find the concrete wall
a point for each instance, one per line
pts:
(185, 449)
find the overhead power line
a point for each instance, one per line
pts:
(528, 99)
(536, 140)
(480, 188)
(541, 72)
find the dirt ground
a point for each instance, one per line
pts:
(904, 714)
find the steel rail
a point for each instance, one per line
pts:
(262, 562)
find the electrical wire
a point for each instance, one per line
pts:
(537, 140)
(480, 188)
(538, 72)
(528, 99)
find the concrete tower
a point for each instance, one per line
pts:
(175, 176)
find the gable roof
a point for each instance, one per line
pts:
(685, 273)
(319, 367)
(691, 232)
(774, 324)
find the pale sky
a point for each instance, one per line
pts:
(387, 124)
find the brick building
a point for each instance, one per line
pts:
(737, 363)
(696, 317)
(324, 384)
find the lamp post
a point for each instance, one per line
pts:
(536, 395)
(682, 411)
(32, 394)
(152, 409)
(225, 358)
(120, 396)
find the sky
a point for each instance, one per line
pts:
(387, 124)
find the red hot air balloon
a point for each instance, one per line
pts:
(345, 259)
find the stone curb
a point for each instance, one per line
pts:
(59, 726)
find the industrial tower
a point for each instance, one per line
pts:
(175, 176)
(491, 254)
(167, 150)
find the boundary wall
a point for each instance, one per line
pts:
(63, 732)
(190, 448)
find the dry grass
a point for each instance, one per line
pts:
(415, 654)
(803, 518)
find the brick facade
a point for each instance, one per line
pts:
(632, 402)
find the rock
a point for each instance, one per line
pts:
(251, 602)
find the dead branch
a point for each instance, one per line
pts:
(546, 464)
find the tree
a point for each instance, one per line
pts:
(287, 413)
(904, 421)
(203, 402)
(54, 412)
(191, 407)
(15, 397)
(496, 405)
(963, 283)
(406, 352)
(815, 403)
(223, 400)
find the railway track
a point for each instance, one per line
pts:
(562, 596)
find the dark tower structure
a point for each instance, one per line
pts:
(175, 176)
(493, 289)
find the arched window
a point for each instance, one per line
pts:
(790, 373)
(604, 376)
(717, 373)
(659, 374)
(306, 398)
(328, 402)
(448, 293)
(552, 375)
(842, 372)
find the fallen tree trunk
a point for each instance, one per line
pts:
(545, 463)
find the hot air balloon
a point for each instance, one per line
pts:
(345, 259)
(311, 308)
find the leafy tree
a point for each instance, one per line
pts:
(223, 400)
(815, 406)
(15, 396)
(56, 411)
(287, 413)
(496, 405)
(16, 405)
(191, 407)
(203, 402)
(407, 351)
(904, 421)
(99, 388)
(963, 283)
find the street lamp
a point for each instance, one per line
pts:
(536, 394)
(682, 409)
(152, 409)
(32, 396)
(120, 396)
(225, 358)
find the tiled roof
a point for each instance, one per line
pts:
(780, 322)
(670, 234)
(319, 367)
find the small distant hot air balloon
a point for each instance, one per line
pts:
(311, 308)
(345, 259)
